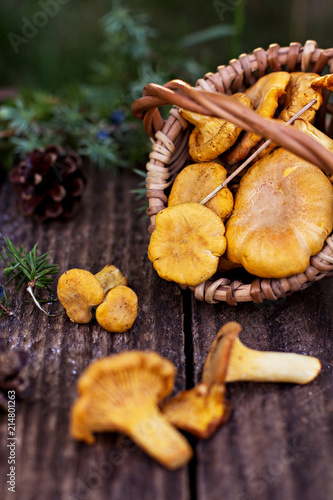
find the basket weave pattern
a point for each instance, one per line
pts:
(211, 97)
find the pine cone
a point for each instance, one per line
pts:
(49, 183)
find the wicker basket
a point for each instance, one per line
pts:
(170, 147)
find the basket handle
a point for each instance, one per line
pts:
(181, 94)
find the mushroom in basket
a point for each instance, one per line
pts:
(264, 95)
(212, 136)
(282, 216)
(195, 181)
(186, 244)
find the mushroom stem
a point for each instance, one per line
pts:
(247, 364)
(195, 118)
(160, 440)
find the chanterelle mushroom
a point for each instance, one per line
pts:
(316, 134)
(245, 364)
(203, 409)
(186, 244)
(313, 132)
(121, 393)
(119, 310)
(79, 291)
(196, 181)
(283, 213)
(212, 136)
(300, 92)
(323, 82)
(265, 95)
(109, 277)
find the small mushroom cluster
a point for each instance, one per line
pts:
(117, 305)
(283, 207)
(125, 393)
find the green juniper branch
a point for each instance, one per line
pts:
(26, 267)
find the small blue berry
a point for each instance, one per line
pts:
(1, 291)
(102, 135)
(117, 117)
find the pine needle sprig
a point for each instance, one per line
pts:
(27, 267)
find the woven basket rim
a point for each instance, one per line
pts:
(169, 151)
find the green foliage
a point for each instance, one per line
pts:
(94, 117)
(26, 267)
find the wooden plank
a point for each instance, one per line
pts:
(51, 465)
(278, 442)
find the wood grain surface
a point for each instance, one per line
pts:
(278, 442)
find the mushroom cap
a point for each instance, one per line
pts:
(212, 136)
(78, 291)
(199, 411)
(119, 310)
(109, 277)
(283, 213)
(186, 244)
(117, 391)
(196, 181)
(265, 95)
(299, 93)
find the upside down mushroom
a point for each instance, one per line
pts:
(212, 136)
(299, 92)
(186, 244)
(203, 409)
(196, 181)
(264, 95)
(313, 132)
(283, 213)
(251, 365)
(121, 393)
(323, 82)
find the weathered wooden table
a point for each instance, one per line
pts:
(278, 442)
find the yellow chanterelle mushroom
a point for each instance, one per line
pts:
(119, 310)
(79, 290)
(323, 82)
(203, 409)
(251, 365)
(265, 95)
(299, 92)
(186, 244)
(283, 213)
(196, 181)
(121, 394)
(212, 136)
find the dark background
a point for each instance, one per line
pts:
(63, 49)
